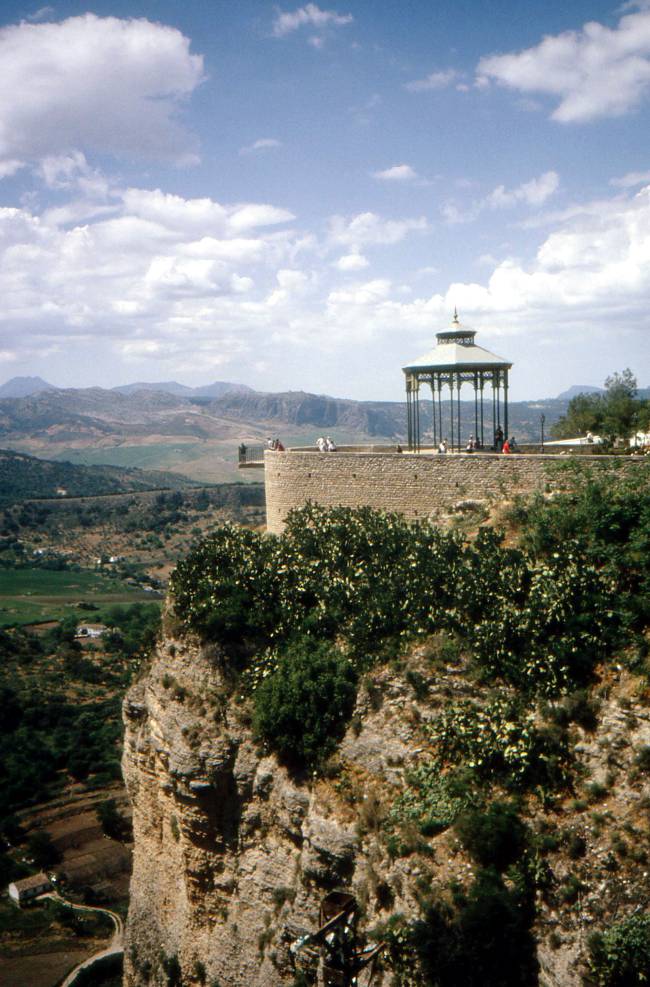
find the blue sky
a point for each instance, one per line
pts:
(296, 196)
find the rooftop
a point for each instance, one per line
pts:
(456, 350)
(35, 881)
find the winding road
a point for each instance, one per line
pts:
(115, 948)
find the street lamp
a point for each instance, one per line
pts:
(542, 419)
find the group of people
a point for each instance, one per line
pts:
(474, 444)
(504, 444)
(325, 444)
(274, 445)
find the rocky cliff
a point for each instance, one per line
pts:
(233, 854)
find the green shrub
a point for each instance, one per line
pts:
(375, 581)
(495, 837)
(610, 509)
(578, 707)
(113, 823)
(620, 957)
(501, 740)
(42, 850)
(569, 891)
(642, 759)
(172, 969)
(484, 941)
(432, 800)
(226, 590)
(576, 845)
(301, 710)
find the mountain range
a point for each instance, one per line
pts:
(20, 387)
(196, 431)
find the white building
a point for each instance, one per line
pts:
(87, 632)
(29, 887)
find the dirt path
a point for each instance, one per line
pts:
(114, 949)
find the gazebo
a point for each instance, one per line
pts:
(454, 361)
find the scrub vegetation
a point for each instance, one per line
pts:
(535, 619)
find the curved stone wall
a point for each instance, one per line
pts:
(414, 485)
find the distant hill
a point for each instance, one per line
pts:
(98, 416)
(23, 477)
(215, 390)
(576, 389)
(22, 387)
(166, 386)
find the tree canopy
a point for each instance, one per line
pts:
(616, 413)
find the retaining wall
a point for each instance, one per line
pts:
(417, 486)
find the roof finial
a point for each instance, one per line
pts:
(456, 322)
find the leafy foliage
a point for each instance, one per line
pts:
(502, 740)
(615, 413)
(112, 821)
(605, 515)
(484, 940)
(302, 708)
(42, 850)
(495, 837)
(373, 581)
(227, 590)
(432, 800)
(620, 957)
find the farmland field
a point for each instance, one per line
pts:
(33, 595)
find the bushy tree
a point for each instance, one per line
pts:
(606, 516)
(41, 848)
(615, 414)
(483, 940)
(374, 581)
(495, 837)
(620, 957)
(302, 709)
(112, 821)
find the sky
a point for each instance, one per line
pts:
(296, 197)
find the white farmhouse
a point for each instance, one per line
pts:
(29, 887)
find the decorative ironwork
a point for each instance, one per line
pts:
(457, 360)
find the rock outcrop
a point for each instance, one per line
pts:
(233, 854)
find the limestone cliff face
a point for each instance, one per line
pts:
(233, 855)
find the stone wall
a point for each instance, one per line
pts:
(417, 486)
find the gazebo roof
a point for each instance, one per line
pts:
(456, 350)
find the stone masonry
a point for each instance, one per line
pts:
(417, 486)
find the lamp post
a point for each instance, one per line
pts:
(542, 419)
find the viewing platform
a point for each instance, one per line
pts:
(464, 456)
(419, 485)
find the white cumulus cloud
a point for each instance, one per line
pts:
(352, 262)
(398, 173)
(436, 80)
(95, 83)
(533, 193)
(592, 73)
(159, 277)
(370, 228)
(631, 179)
(263, 144)
(310, 16)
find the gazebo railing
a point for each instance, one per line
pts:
(251, 455)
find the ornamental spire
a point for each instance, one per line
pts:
(456, 322)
